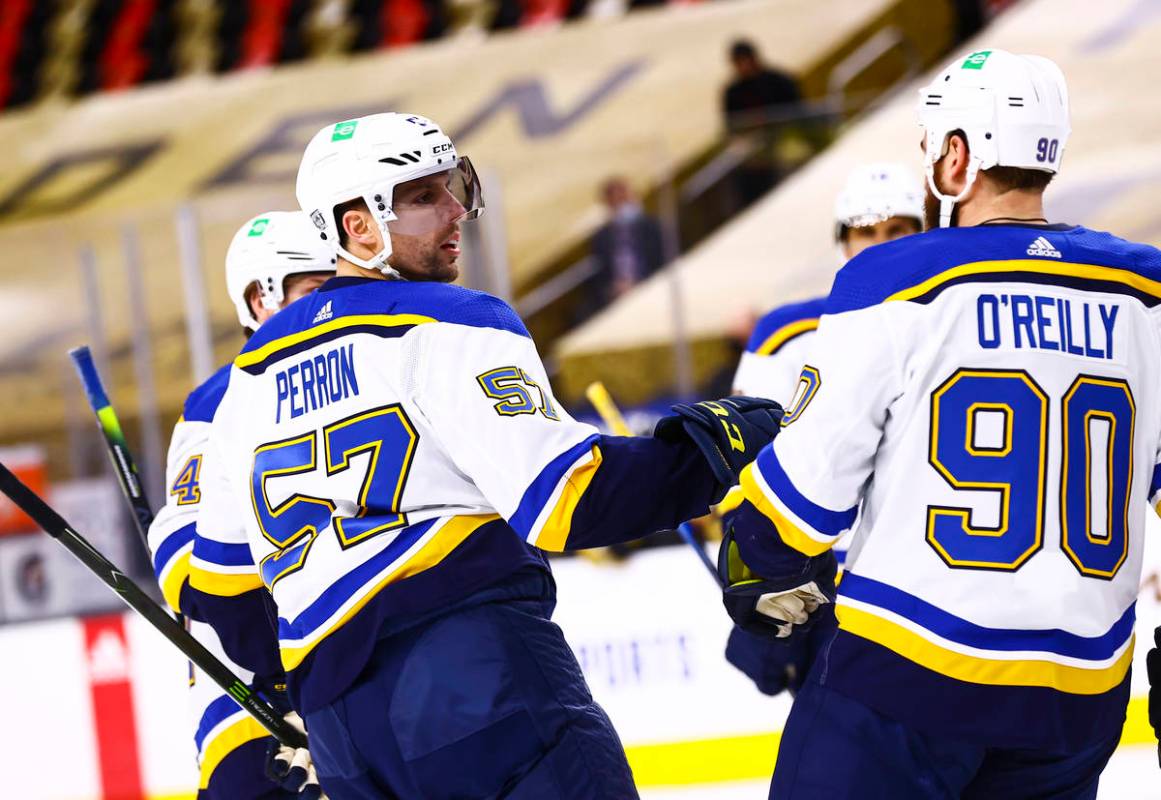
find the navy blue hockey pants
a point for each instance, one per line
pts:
(485, 702)
(836, 748)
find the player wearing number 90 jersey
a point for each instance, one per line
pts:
(272, 260)
(990, 392)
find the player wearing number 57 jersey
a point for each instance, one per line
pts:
(396, 451)
(273, 260)
(990, 392)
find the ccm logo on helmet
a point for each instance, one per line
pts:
(442, 148)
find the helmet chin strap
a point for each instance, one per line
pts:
(947, 202)
(377, 262)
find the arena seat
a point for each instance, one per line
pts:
(547, 115)
(782, 249)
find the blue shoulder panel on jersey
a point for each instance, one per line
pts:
(918, 268)
(203, 402)
(388, 309)
(784, 323)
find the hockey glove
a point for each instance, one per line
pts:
(729, 432)
(1153, 668)
(775, 665)
(289, 767)
(774, 606)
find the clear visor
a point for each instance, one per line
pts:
(436, 202)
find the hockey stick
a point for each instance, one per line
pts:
(110, 427)
(118, 448)
(56, 527)
(603, 402)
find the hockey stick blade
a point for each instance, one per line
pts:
(55, 526)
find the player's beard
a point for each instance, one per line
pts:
(931, 208)
(421, 258)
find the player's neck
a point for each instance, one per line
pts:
(345, 269)
(1010, 206)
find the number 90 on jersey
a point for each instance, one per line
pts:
(990, 432)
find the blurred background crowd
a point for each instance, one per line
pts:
(136, 133)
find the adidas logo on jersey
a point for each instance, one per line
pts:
(1043, 248)
(324, 313)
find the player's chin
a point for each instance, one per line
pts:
(448, 268)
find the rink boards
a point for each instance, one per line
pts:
(110, 693)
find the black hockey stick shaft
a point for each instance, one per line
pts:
(56, 527)
(110, 427)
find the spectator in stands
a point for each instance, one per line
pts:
(757, 103)
(627, 248)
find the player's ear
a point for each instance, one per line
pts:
(253, 297)
(955, 161)
(359, 227)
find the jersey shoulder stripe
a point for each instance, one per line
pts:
(203, 402)
(918, 268)
(783, 324)
(387, 309)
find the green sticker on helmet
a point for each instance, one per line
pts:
(976, 60)
(258, 226)
(344, 130)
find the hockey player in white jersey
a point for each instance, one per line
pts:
(403, 462)
(273, 260)
(879, 202)
(990, 394)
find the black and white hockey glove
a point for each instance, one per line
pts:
(289, 767)
(729, 432)
(775, 607)
(1153, 668)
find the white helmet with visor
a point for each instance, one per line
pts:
(1012, 109)
(371, 158)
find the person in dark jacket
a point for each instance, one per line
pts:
(627, 248)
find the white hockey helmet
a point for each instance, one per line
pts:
(266, 250)
(1013, 110)
(368, 158)
(877, 192)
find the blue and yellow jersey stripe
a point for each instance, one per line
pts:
(782, 325)
(171, 563)
(775, 341)
(258, 360)
(918, 269)
(957, 648)
(223, 728)
(223, 569)
(1090, 277)
(544, 515)
(413, 549)
(802, 524)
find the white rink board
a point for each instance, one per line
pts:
(649, 632)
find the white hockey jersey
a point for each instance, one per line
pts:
(396, 446)
(220, 725)
(777, 350)
(992, 397)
